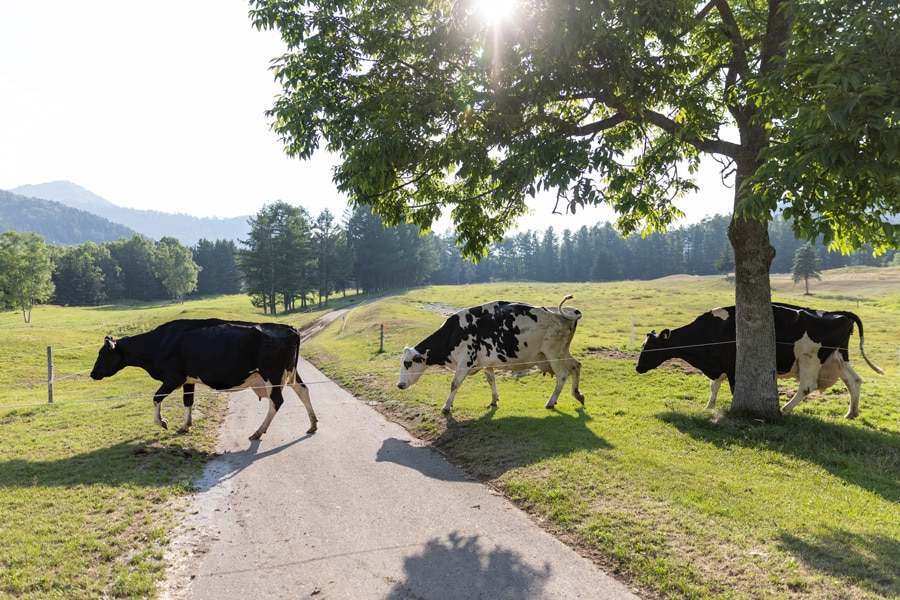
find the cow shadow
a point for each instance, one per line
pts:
(488, 446)
(836, 553)
(141, 462)
(490, 571)
(222, 467)
(136, 462)
(418, 458)
(866, 458)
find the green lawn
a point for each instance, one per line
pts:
(686, 502)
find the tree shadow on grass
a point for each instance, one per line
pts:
(488, 446)
(865, 458)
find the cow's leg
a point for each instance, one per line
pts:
(275, 401)
(164, 390)
(575, 369)
(854, 385)
(458, 378)
(188, 390)
(808, 381)
(561, 375)
(714, 385)
(489, 375)
(303, 393)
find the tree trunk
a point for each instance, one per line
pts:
(755, 387)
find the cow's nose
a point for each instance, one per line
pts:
(401, 385)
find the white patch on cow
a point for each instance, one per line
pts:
(721, 313)
(714, 385)
(814, 375)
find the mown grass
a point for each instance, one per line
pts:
(685, 502)
(90, 488)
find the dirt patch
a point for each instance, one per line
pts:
(615, 354)
(441, 309)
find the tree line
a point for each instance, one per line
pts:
(291, 259)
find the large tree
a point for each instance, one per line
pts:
(433, 107)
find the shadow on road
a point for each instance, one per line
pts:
(228, 465)
(462, 567)
(402, 453)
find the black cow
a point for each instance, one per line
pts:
(223, 355)
(810, 346)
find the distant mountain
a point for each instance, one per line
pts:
(57, 223)
(153, 224)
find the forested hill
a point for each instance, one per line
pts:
(57, 223)
(153, 224)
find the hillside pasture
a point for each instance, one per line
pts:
(684, 502)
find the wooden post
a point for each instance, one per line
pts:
(50, 374)
(381, 343)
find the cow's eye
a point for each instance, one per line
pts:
(419, 359)
(407, 363)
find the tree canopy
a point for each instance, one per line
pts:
(433, 108)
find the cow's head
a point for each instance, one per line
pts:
(109, 362)
(412, 365)
(653, 352)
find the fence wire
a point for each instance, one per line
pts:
(511, 366)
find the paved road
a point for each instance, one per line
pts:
(360, 510)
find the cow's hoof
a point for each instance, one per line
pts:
(312, 429)
(164, 423)
(580, 398)
(549, 406)
(255, 436)
(445, 411)
(851, 415)
(184, 429)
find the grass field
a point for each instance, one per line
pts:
(685, 503)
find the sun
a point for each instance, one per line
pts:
(495, 11)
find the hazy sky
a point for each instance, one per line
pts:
(160, 105)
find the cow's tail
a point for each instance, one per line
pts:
(574, 314)
(858, 321)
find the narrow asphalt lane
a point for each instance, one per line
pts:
(359, 510)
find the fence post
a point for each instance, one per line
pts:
(381, 343)
(632, 333)
(50, 374)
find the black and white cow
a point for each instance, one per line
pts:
(499, 335)
(810, 346)
(223, 355)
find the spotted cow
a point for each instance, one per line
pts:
(499, 335)
(223, 355)
(810, 346)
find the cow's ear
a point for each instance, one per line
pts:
(664, 335)
(110, 342)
